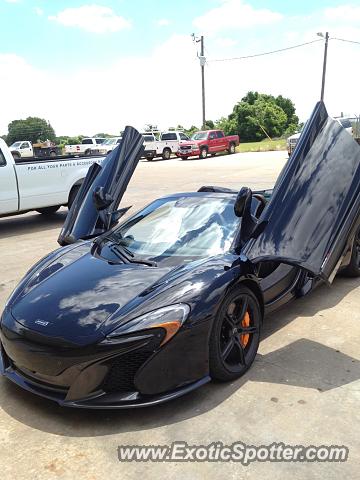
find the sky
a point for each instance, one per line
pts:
(96, 66)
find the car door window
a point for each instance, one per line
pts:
(220, 134)
(212, 136)
(183, 136)
(169, 136)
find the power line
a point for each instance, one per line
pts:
(343, 40)
(265, 53)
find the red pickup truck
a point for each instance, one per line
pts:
(209, 141)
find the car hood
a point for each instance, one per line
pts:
(73, 295)
(190, 142)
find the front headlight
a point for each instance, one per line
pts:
(168, 318)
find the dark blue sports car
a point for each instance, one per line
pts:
(142, 311)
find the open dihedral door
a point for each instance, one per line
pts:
(94, 210)
(315, 204)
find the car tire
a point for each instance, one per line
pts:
(231, 148)
(72, 195)
(48, 210)
(231, 353)
(16, 155)
(353, 269)
(213, 154)
(166, 154)
(87, 152)
(52, 154)
(203, 153)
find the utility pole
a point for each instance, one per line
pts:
(326, 37)
(202, 67)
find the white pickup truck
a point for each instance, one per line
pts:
(167, 144)
(25, 149)
(86, 147)
(41, 185)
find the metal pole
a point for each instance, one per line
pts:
(202, 65)
(324, 66)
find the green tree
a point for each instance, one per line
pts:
(191, 130)
(209, 125)
(269, 117)
(103, 135)
(33, 129)
(258, 115)
(289, 108)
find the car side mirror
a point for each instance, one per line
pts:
(242, 209)
(101, 199)
(243, 201)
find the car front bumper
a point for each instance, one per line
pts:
(134, 371)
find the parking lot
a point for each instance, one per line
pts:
(303, 389)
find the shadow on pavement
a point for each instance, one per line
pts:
(31, 222)
(303, 363)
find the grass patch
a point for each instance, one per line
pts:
(263, 146)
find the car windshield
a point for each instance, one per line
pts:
(16, 145)
(199, 136)
(191, 226)
(149, 138)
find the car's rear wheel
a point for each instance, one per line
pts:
(231, 148)
(353, 269)
(166, 153)
(235, 335)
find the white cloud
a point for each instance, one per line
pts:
(169, 98)
(234, 14)
(224, 42)
(39, 11)
(163, 22)
(343, 13)
(91, 18)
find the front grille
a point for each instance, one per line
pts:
(120, 377)
(185, 147)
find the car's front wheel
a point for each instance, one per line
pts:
(353, 269)
(203, 153)
(235, 335)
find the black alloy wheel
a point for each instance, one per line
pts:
(235, 335)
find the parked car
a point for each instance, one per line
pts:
(41, 185)
(88, 146)
(167, 144)
(108, 145)
(25, 149)
(143, 312)
(208, 142)
(292, 141)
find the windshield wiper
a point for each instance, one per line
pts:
(129, 256)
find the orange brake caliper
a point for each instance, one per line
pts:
(244, 339)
